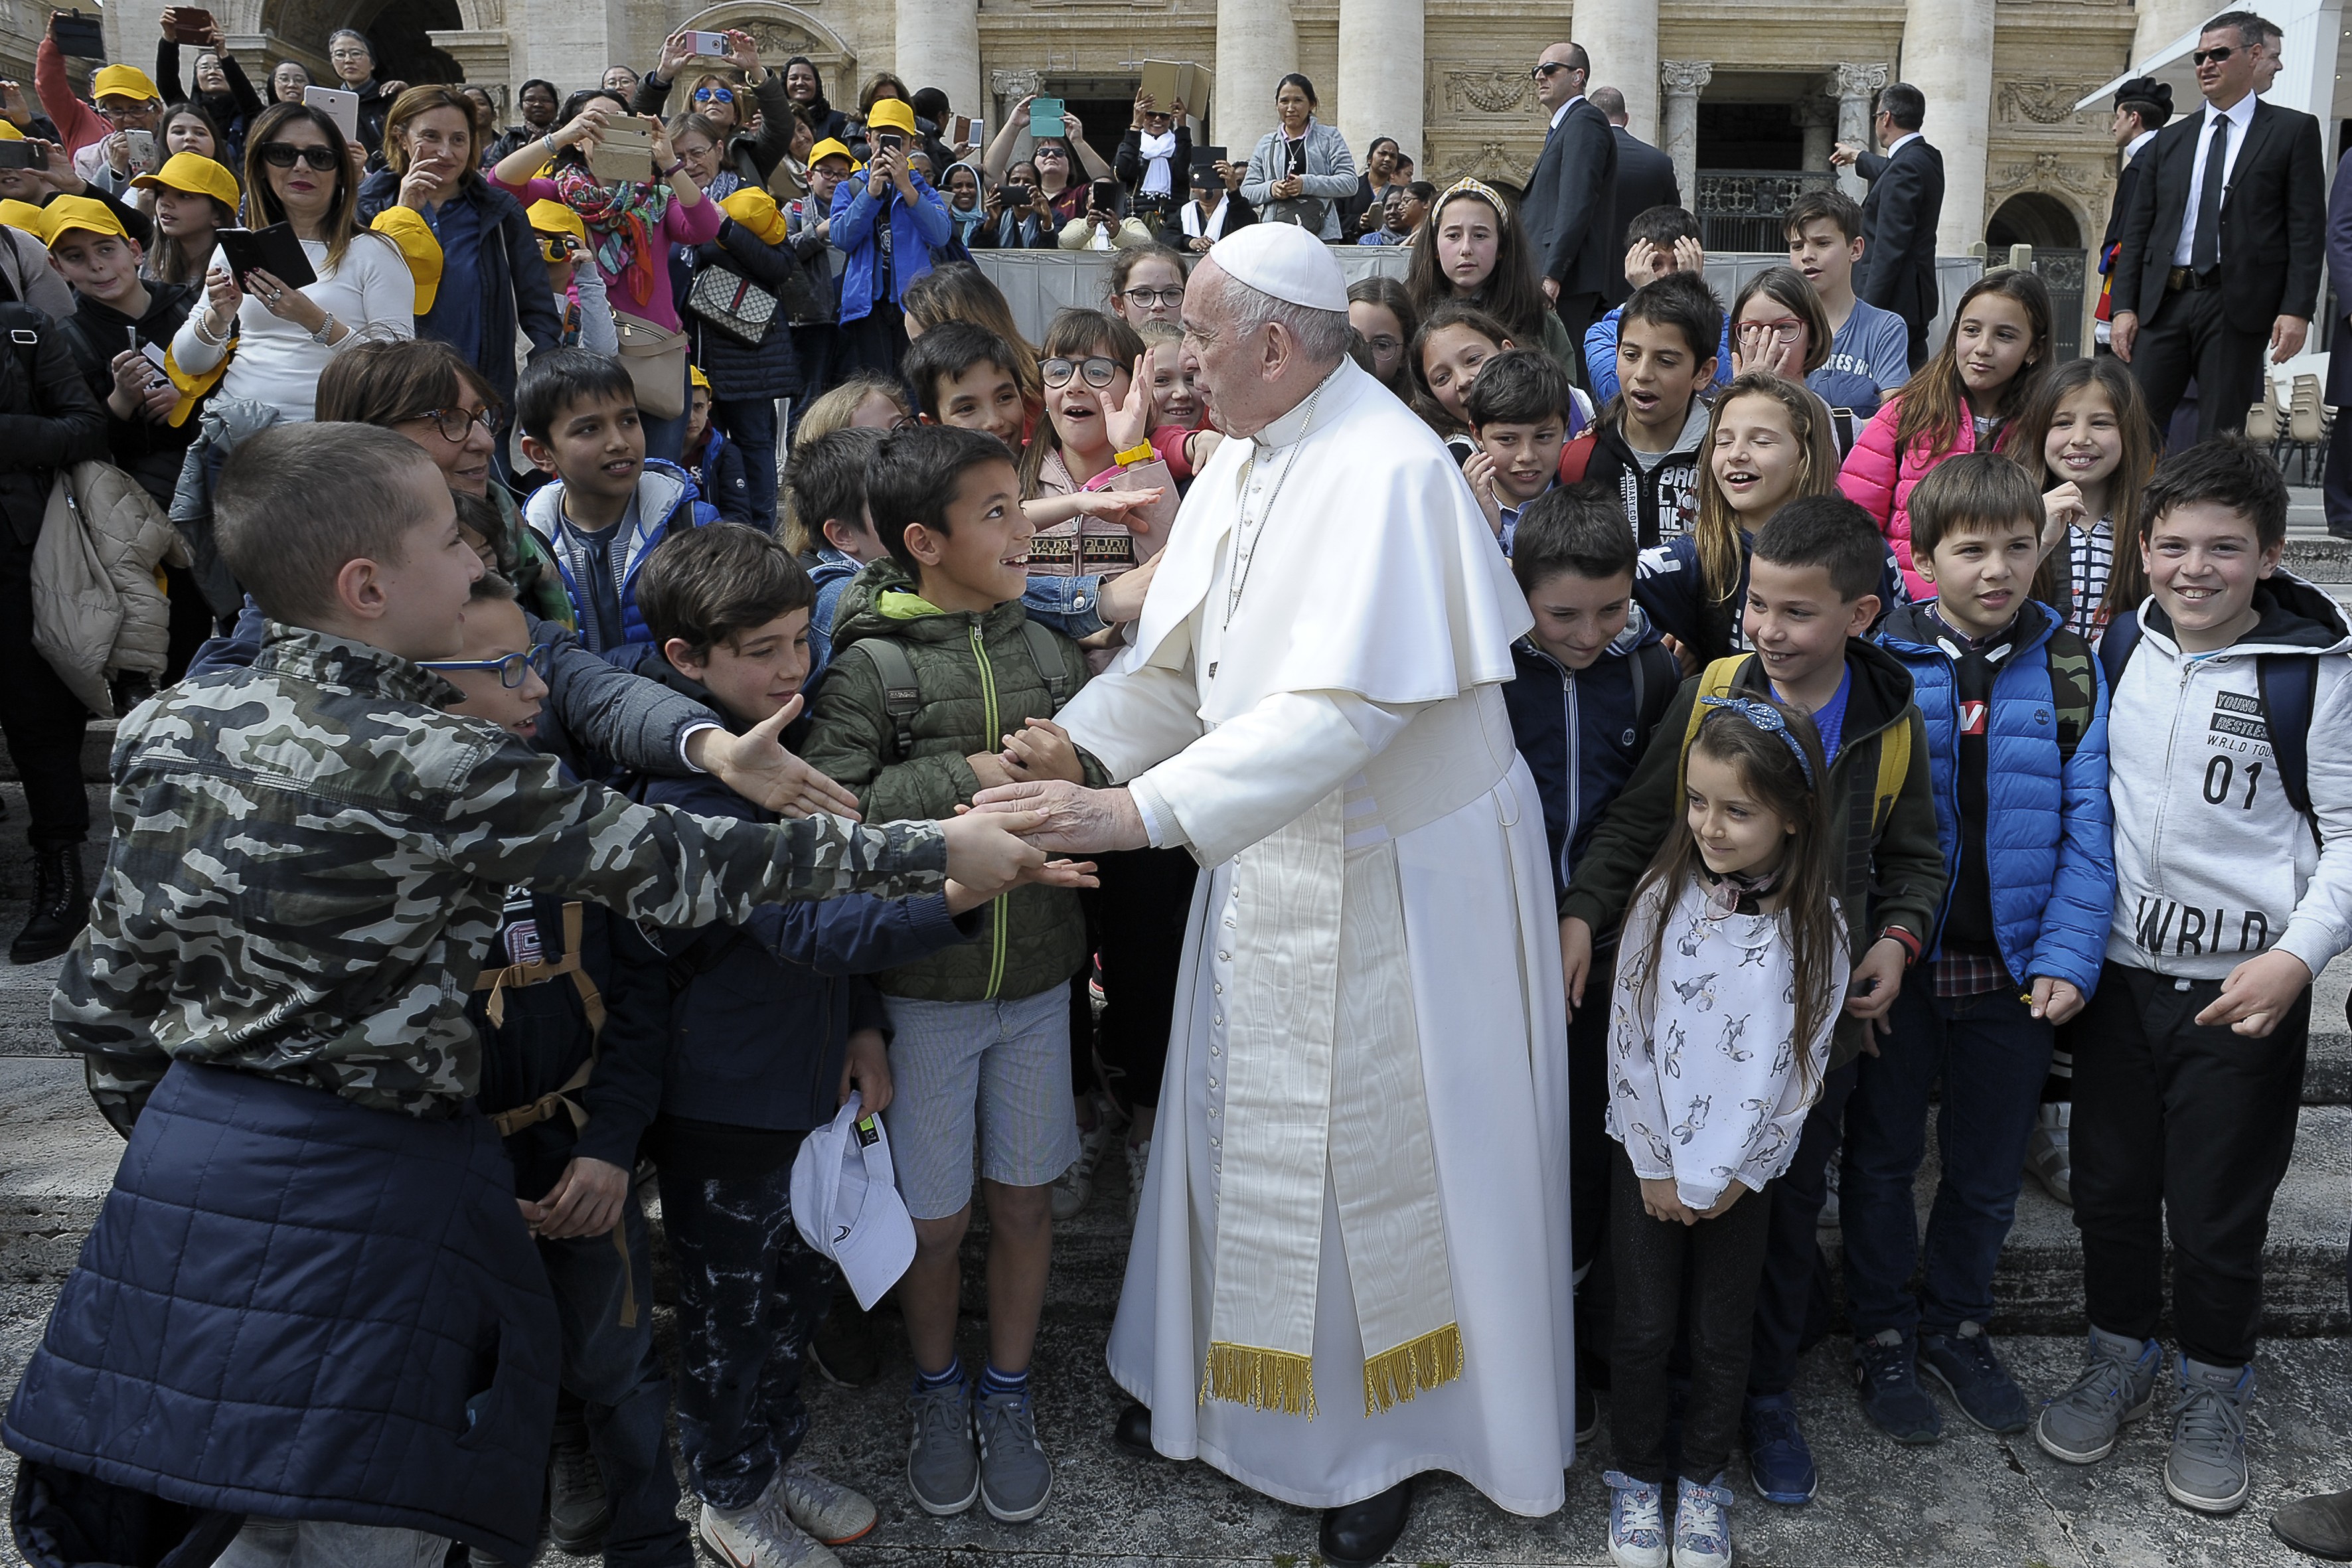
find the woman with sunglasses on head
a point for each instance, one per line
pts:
(731, 101)
(630, 228)
(222, 89)
(1065, 164)
(491, 282)
(278, 339)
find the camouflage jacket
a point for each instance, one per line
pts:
(309, 861)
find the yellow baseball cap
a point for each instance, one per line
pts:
(895, 113)
(194, 173)
(8, 132)
(831, 147)
(123, 81)
(79, 212)
(554, 217)
(33, 220)
(695, 377)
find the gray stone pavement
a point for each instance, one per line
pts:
(1975, 1499)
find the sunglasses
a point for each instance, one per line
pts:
(713, 95)
(1544, 70)
(455, 423)
(2214, 57)
(1097, 371)
(511, 667)
(560, 247)
(285, 155)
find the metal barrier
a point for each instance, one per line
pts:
(1038, 283)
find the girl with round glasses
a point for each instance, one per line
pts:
(1147, 284)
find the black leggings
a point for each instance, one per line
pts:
(42, 719)
(1142, 912)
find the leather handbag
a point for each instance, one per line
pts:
(655, 358)
(732, 303)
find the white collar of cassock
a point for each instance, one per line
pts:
(1286, 430)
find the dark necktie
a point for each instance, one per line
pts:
(604, 596)
(2205, 247)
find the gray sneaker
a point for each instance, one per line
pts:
(1015, 1476)
(2116, 1383)
(2206, 1469)
(942, 1465)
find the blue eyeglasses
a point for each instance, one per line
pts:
(511, 667)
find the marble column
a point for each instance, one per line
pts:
(1257, 46)
(1856, 86)
(939, 45)
(1817, 117)
(1948, 55)
(1682, 81)
(1380, 84)
(1620, 38)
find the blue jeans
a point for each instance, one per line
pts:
(750, 422)
(616, 1372)
(1991, 1056)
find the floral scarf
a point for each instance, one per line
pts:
(622, 223)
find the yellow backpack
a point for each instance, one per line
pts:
(1893, 744)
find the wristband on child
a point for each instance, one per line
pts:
(1141, 452)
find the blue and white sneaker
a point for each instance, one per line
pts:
(1702, 1524)
(1637, 1523)
(1780, 1462)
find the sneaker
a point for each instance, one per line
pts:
(1964, 1364)
(578, 1513)
(2116, 1383)
(1702, 1524)
(1637, 1523)
(2049, 1160)
(759, 1536)
(1015, 1476)
(1886, 1374)
(1075, 1188)
(2207, 1467)
(942, 1464)
(1832, 1211)
(1779, 1461)
(834, 1514)
(1588, 1413)
(844, 1344)
(1138, 1160)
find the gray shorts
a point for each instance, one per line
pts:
(990, 1074)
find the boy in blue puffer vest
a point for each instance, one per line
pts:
(770, 1029)
(2017, 748)
(1592, 680)
(608, 505)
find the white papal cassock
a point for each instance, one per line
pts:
(1362, 1143)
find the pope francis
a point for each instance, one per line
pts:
(1352, 1265)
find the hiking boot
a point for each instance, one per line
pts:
(1702, 1524)
(2049, 1159)
(1780, 1460)
(1964, 1364)
(1637, 1523)
(831, 1514)
(942, 1463)
(2115, 1386)
(578, 1513)
(2207, 1467)
(1015, 1476)
(760, 1536)
(844, 1344)
(60, 905)
(1886, 1374)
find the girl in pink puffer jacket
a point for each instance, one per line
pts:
(1992, 358)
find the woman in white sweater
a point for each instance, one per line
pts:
(277, 339)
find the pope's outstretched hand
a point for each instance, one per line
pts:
(1069, 817)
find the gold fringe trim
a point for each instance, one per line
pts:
(1263, 1379)
(1398, 1374)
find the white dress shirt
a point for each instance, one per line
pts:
(2241, 115)
(1560, 113)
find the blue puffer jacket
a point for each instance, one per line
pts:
(1582, 731)
(296, 1307)
(761, 1014)
(667, 498)
(914, 228)
(2046, 837)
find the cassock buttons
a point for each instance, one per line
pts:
(1216, 1050)
(1212, 1083)
(1224, 957)
(1221, 984)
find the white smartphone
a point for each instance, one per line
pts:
(341, 107)
(140, 147)
(710, 46)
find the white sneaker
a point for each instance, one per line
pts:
(831, 1513)
(2049, 1153)
(760, 1536)
(1075, 1187)
(1138, 1160)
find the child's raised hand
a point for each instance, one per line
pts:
(2056, 1000)
(1114, 505)
(2062, 509)
(1639, 270)
(1660, 1201)
(1127, 422)
(1480, 471)
(1042, 750)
